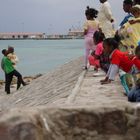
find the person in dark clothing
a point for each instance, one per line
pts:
(10, 71)
(127, 6)
(136, 2)
(134, 94)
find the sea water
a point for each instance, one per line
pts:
(41, 56)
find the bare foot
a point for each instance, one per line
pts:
(104, 80)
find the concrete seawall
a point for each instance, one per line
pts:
(69, 104)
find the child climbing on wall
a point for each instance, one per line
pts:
(118, 60)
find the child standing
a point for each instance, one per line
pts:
(94, 58)
(90, 26)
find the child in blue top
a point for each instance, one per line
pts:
(134, 94)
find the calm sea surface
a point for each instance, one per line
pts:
(41, 56)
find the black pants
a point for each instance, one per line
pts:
(9, 78)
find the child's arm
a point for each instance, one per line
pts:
(134, 21)
(113, 70)
(85, 32)
(85, 28)
(97, 56)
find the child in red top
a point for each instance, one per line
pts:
(118, 60)
(95, 56)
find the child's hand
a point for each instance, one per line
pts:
(130, 56)
(132, 22)
(106, 82)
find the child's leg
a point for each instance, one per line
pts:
(122, 75)
(132, 95)
(124, 84)
(129, 80)
(87, 52)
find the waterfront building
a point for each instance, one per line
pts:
(22, 35)
(76, 33)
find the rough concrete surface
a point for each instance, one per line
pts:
(69, 104)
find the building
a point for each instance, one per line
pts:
(22, 35)
(76, 33)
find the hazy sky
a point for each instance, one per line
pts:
(48, 16)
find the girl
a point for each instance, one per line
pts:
(90, 26)
(95, 56)
(134, 94)
(118, 60)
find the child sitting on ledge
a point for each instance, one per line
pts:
(134, 94)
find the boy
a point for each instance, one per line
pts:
(134, 94)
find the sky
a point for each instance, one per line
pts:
(49, 16)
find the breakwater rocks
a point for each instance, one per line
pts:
(69, 104)
(70, 124)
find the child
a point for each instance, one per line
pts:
(118, 60)
(136, 64)
(12, 56)
(136, 12)
(134, 94)
(95, 56)
(104, 62)
(90, 26)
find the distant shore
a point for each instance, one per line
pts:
(43, 38)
